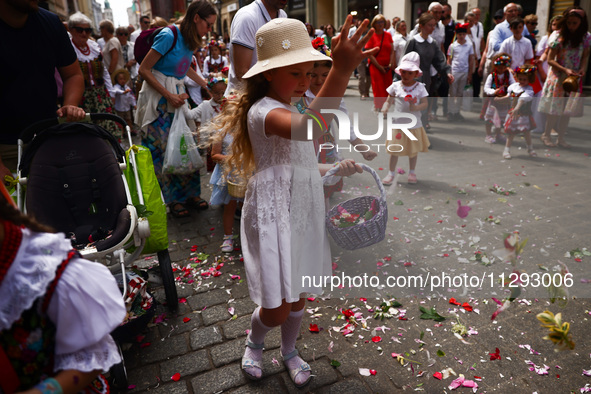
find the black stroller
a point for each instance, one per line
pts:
(74, 181)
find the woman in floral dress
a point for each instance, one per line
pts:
(97, 81)
(569, 55)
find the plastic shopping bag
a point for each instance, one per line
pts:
(182, 155)
(155, 208)
(467, 98)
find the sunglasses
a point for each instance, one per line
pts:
(83, 29)
(145, 22)
(532, 23)
(122, 34)
(209, 25)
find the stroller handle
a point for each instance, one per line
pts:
(28, 133)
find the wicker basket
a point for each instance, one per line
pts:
(364, 234)
(236, 189)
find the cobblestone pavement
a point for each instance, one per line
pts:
(203, 341)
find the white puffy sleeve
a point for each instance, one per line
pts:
(86, 307)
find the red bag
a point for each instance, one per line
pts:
(144, 42)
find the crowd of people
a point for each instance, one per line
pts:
(236, 94)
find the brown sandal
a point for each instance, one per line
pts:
(547, 141)
(564, 145)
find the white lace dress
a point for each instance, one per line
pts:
(282, 229)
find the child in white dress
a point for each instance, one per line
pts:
(410, 97)
(282, 229)
(202, 115)
(519, 119)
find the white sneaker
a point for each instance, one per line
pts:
(228, 244)
(506, 155)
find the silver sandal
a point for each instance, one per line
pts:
(249, 363)
(304, 367)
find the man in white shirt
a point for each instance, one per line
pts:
(246, 22)
(144, 25)
(438, 34)
(477, 37)
(502, 31)
(392, 29)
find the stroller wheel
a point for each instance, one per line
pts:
(172, 299)
(118, 373)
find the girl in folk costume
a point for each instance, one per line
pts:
(98, 90)
(496, 86)
(519, 119)
(57, 311)
(283, 234)
(214, 62)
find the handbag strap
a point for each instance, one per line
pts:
(376, 55)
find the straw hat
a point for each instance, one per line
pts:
(117, 72)
(410, 62)
(283, 42)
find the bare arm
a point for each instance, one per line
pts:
(71, 381)
(114, 59)
(392, 59)
(242, 58)
(73, 91)
(216, 152)
(483, 58)
(347, 54)
(422, 105)
(197, 78)
(584, 62)
(146, 72)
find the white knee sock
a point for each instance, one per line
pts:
(256, 336)
(289, 334)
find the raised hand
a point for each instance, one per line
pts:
(347, 52)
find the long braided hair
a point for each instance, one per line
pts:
(9, 212)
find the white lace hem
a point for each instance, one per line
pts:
(100, 356)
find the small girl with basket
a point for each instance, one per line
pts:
(519, 119)
(218, 151)
(496, 86)
(409, 95)
(283, 218)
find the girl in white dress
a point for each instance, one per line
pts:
(519, 120)
(282, 229)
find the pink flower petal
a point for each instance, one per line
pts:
(457, 382)
(463, 210)
(176, 377)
